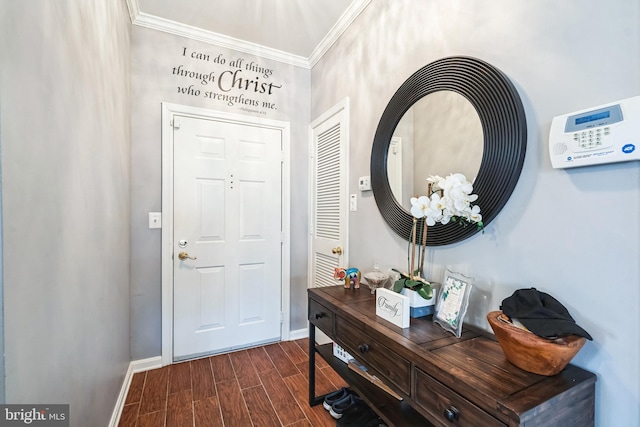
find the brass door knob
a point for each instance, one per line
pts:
(184, 255)
(337, 250)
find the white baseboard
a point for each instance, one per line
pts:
(134, 367)
(156, 362)
(146, 364)
(298, 334)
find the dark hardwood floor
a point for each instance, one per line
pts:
(263, 386)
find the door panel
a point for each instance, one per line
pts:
(227, 207)
(252, 310)
(211, 213)
(211, 286)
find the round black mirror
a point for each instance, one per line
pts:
(504, 130)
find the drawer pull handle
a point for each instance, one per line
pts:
(363, 348)
(452, 414)
(320, 315)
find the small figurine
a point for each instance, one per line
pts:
(349, 275)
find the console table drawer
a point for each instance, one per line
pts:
(321, 316)
(391, 367)
(446, 407)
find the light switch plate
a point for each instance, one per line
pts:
(155, 220)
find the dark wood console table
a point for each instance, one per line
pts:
(443, 380)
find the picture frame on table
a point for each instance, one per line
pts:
(453, 301)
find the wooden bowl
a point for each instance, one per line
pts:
(530, 352)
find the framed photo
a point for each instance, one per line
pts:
(453, 302)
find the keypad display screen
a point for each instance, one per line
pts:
(592, 119)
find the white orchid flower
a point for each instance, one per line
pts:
(433, 214)
(438, 202)
(459, 178)
(419, 206)
(434, 179)
(475, 214)
(451, 199)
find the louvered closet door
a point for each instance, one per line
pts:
(329, 196)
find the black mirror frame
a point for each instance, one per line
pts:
(504, 128)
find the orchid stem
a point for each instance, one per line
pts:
(424, 232)
(413, 247)
(424, 243)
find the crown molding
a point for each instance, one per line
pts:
(134, 9)
(172, 27)
(353, 11)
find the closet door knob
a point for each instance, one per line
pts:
(337, 250)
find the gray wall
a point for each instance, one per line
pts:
(66, 202)
(2, 394)
(156, 79)
(572, 233)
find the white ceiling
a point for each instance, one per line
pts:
(300, 30)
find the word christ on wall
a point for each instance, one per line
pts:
(235, 82)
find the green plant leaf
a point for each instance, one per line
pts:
(412, 284)
(402, 275)
(398, 285)
(425, 291)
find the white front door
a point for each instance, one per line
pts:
(227, 195)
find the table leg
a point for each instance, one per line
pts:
(313, 400)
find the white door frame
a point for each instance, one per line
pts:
(168, 112)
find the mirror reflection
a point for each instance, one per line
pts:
(439, 135)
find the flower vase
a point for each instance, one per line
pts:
(418, 306)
